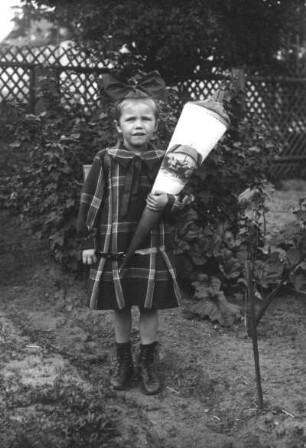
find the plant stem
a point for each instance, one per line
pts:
(251, 298)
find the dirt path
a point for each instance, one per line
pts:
(55, 356)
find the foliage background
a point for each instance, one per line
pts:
(181, 40)
(45, 190)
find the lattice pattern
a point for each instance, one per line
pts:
(279, 103)
(79, 88)
(77, 73)
(68, 55)
(15, 84)
(199, 89)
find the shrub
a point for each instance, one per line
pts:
(45, 191)
(208, 232)
(52, 147)
(45, 187)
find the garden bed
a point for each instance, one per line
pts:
(56, 355)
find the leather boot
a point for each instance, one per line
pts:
(147, 369)
(124, 368)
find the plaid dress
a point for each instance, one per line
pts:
(112, 201)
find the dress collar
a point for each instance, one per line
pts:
(132, 163)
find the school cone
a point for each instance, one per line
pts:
(199, 128)
(147, 221)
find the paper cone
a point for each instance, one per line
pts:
(86, 169)
(147, 221)
(200, 127)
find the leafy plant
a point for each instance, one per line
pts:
(65, 416)
(182, 38)
(285, 264)
(45, 190)
(212, 239)
(209, 232)
(46, 181)
(210, 302)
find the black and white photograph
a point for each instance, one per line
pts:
(153, 224)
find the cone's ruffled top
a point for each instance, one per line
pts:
(186, 150)
(216, 108)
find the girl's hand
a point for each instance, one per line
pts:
(157, 201)
(89, 256)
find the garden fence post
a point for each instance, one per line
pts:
(238, 89)
(32, 91)
(46, 88)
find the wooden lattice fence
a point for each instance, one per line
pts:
(279, 102)
(76, 74)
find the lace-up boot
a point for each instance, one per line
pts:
(124, 368)
(147, 370)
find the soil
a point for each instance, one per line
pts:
(55, 358)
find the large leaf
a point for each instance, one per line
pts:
(299, 281)
(293, 256)
(269, 272)
(217, 310)
(231, 267)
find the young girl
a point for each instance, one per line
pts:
(114, 195)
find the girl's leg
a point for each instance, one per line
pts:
(124, 368)
(148, 333)
(122, 325)
(148, 325)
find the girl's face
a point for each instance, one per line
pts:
(137, 123)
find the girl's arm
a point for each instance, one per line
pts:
(91, 199)
(168, 202)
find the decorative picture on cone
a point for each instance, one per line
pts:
(181, 161)
(178, 165)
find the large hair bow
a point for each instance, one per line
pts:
(151, 84)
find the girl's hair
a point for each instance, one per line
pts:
(135, 95)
